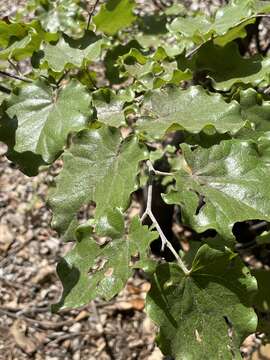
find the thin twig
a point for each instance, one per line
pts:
(157, 172)
(262, 225)
(62, 77)
(148, 212)
(4, 73)
(91, 14)
(15, 67)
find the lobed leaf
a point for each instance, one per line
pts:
(226, 67)
(69, 52)
(114, 16)
(100, 166)
(194, 110)
(207, 314)
(89, 270)
(223, 185)
(45, 118)
(227, 24)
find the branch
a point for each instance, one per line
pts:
(156, 172)
(148, 212)
(90, 14)
(4, 73)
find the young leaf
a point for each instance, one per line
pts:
(45, 118)
(109, 106)
(60, 15)
(28, 41)
(114, 16)
(193, 109)
(222, 185)
(100, 166)
(12, 30)
(227, 25)
(207, 314)
(69, 53)
(89, 270)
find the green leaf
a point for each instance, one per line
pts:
(110, 106)
(193, 110)
(45, 118)
(11, 30)
(222, 185)
(60, 15)
(68, 52)
(114, 16)
(111, 224)
(153, 71)
(207, 314)
(100, 166)
(28, 42)
(228, 23)
(226, 67)
(89, 270)
(27, 162)
(111, 57)
(256, 110)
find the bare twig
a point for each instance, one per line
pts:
(148, 212)
(4, 73)
(262, 225)
(62, 77)
(90, 14)
(157, 172)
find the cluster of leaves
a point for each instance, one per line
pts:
(122, 89)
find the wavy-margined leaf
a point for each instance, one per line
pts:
(207, 314)
(111, 60)
(228, 23)
(153, 71)
(193, 110)
(89, 270)
(11, 30)
(226, 67)
(45, 118)
(100, 166)
(223, 185)
(60, 15)
(256, 110)
(114, 16)
(23, 45)
(110, 106)
(27, 162)
(70, 52)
